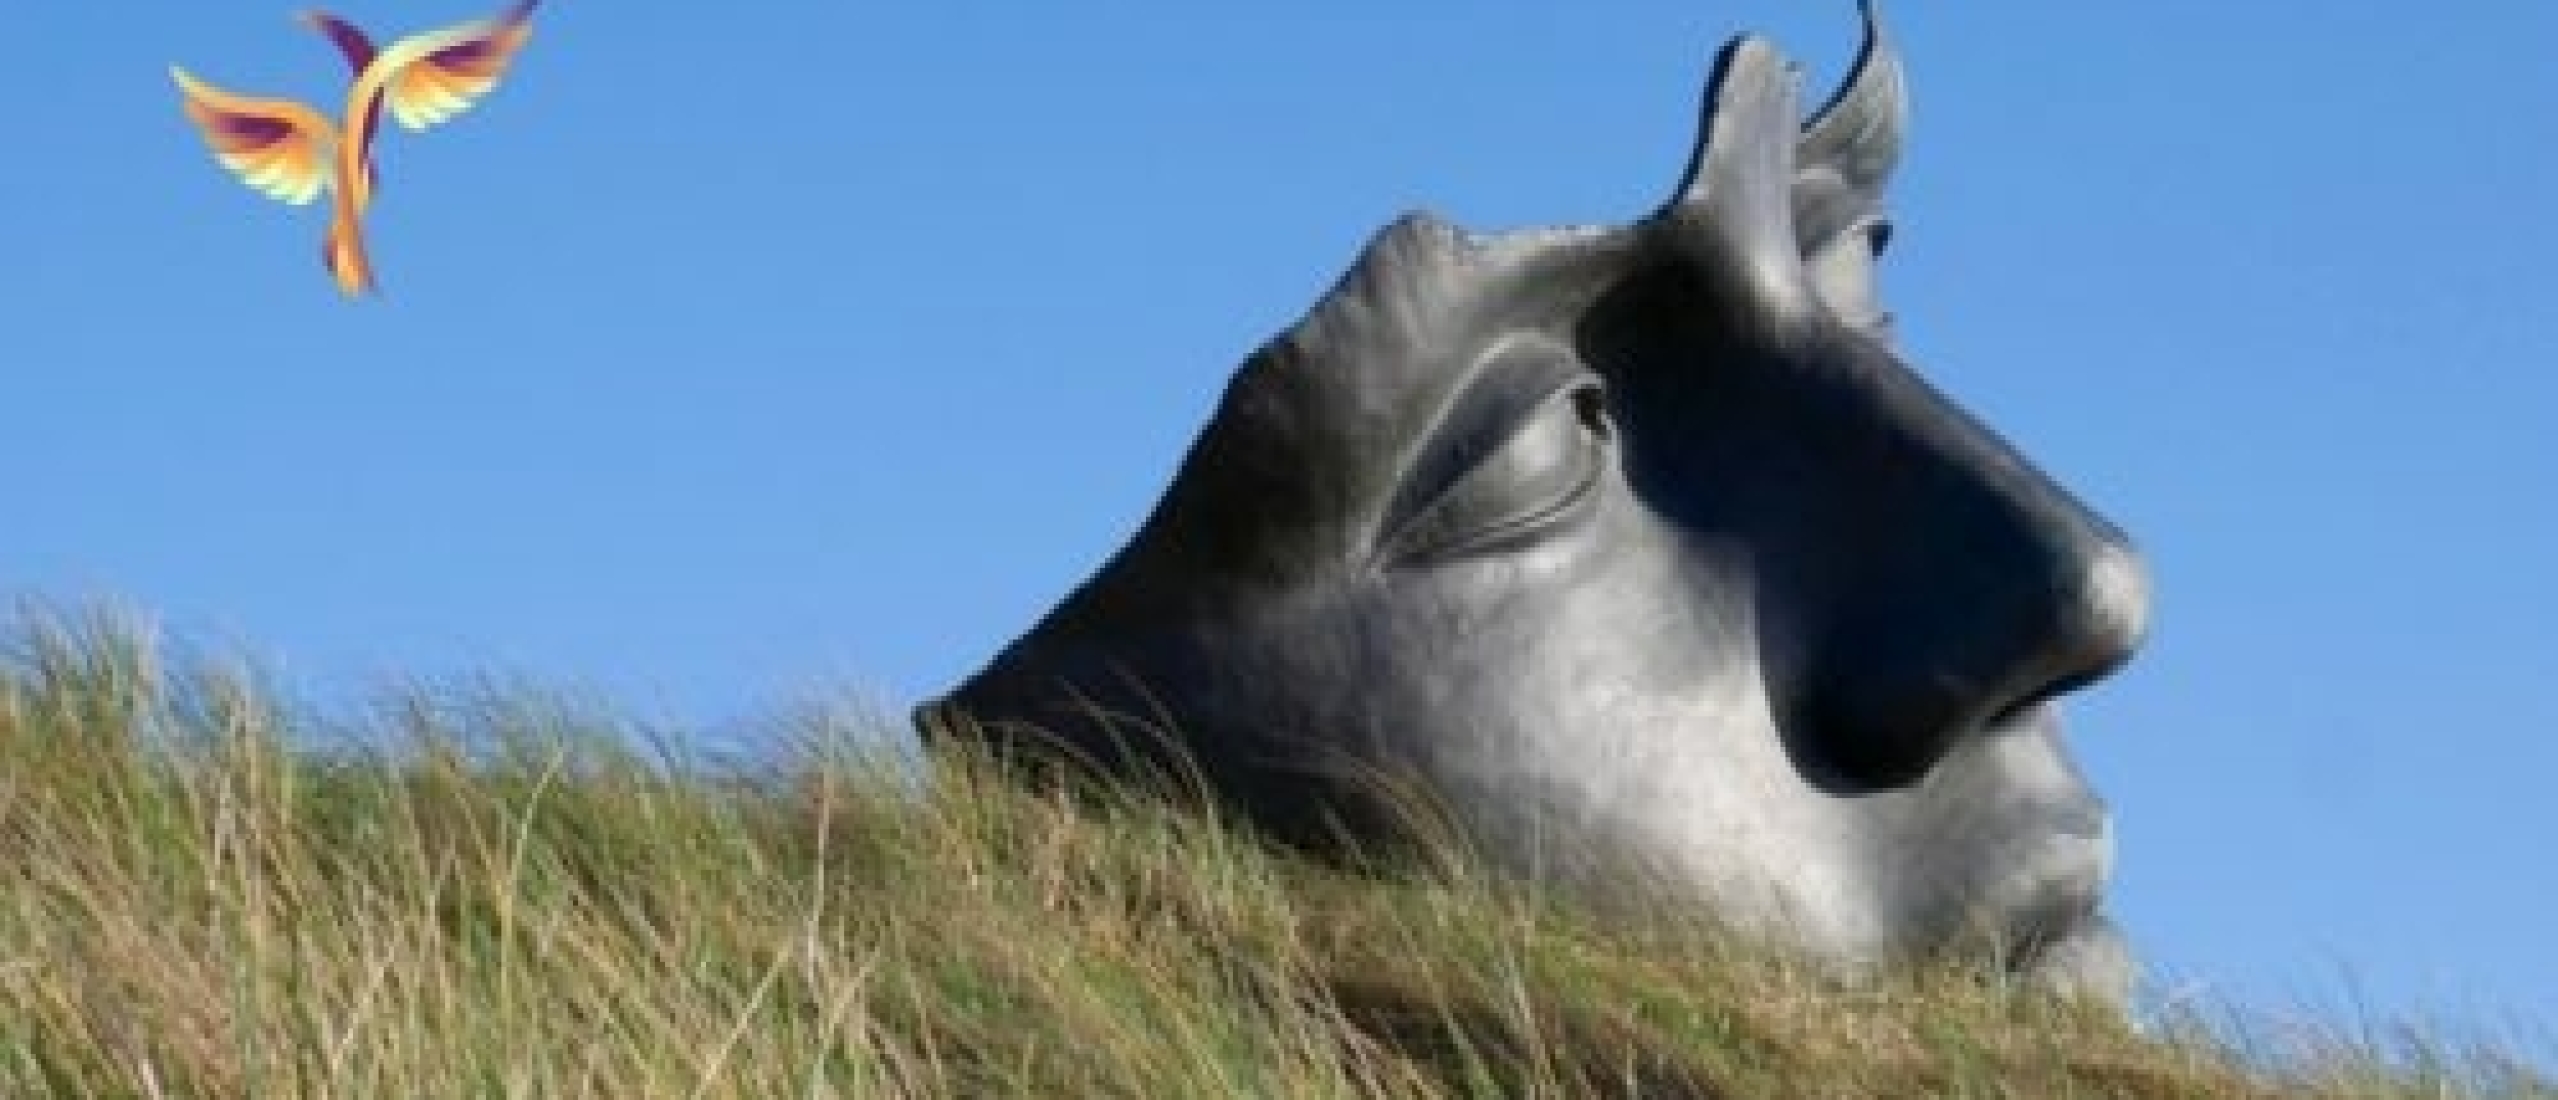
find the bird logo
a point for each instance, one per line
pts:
(291, 152)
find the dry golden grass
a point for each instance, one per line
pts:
(502, 898)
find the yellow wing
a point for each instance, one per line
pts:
(430, 78)
(277, 146)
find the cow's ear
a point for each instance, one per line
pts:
(1856, 137)
(1731, 219)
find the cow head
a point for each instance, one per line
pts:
(1641, 551)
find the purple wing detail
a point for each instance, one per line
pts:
(358, 49)
(253, 129)
(350, 40)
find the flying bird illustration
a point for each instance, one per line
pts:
(292, 152)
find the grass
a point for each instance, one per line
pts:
(211, 894)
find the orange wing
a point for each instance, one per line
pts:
(429, 78)
(277, 146)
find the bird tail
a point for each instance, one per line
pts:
(343, 253)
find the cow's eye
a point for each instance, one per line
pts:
(1523, 485)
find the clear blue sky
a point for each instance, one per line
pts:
(734, 353)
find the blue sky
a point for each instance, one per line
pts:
(737, 353)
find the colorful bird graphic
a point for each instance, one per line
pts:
(291, 152)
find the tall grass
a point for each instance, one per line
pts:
(208, 894)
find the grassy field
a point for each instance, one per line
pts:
(501, 896)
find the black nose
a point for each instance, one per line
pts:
(1970, 588)
(1902, 683)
